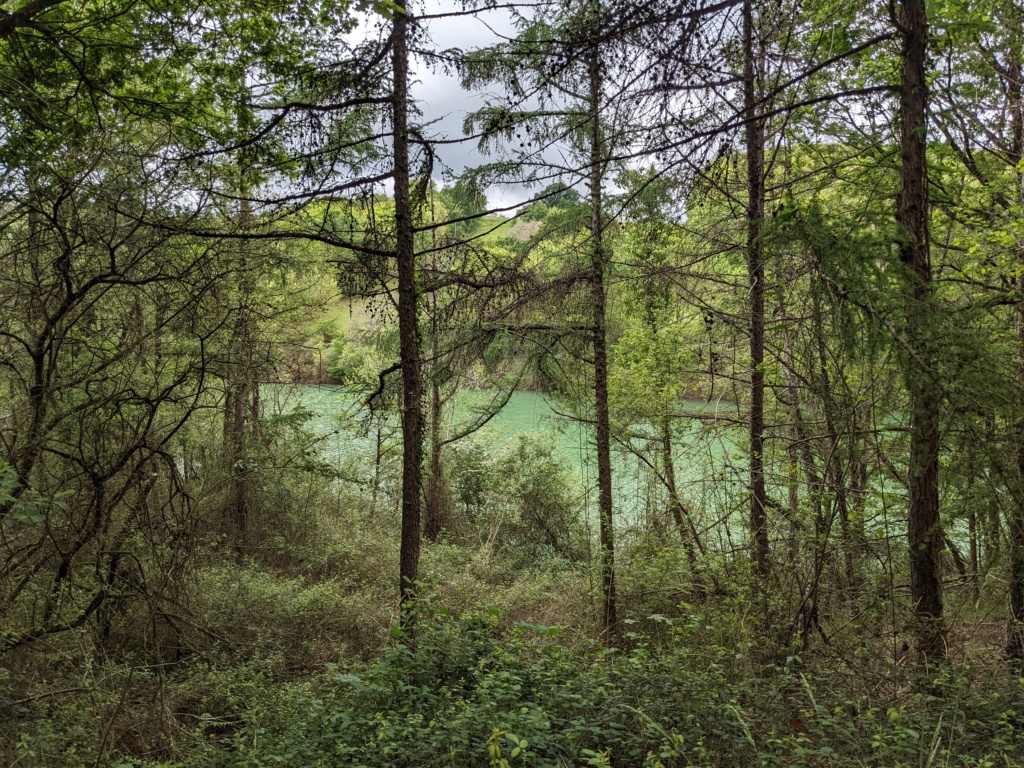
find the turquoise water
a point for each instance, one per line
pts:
(708, 456)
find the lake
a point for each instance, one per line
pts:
(709, 459)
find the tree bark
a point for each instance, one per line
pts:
(597, 291)
(834, 467)
(433, 520)
(408, 322)
(924, 393)
(680, 514)
(760, 552)
(1015, 625)
(239, 382)
(807, 615)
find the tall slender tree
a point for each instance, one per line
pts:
(599, 320)
(924, 392)
(1013, 72)
(754, 141)
(408, 314)
(569, 53)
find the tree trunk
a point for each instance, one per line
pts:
(760, 553)
(859, 471)
(408, 322)
(680, 514)
(973, 551)
(807, 615)
(239, 381)
(972, 535)
(435, 495)
(1015, 627)
(597, 290)
(924, 393)
(834, 463)
(791, 399)
(378, 455)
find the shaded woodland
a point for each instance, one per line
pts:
(769, 253)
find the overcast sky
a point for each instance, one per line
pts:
(441, 98)
(443, 102)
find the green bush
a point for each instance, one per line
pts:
(520, 498)
(454, 691)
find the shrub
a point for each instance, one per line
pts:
(455, 691)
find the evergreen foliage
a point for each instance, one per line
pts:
(261, 500)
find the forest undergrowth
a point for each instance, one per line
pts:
(292, 654)
(764, 259)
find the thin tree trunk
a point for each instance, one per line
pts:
(408, 323)
(808, 613)
(792, 400)
(973, 551)
(834, 464)
(432, 522)
(760, 553)
(972, 533)
(1015, 627)
(28, 451)
(954, 552)
(378, 455)
(255, 405)
(993, 535)
(680, 515)
(924, 393)
(239, 502)
(859, 470)
(993, 550)
(793, 477)
(597, 289)
(237, 411)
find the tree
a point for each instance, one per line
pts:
(923, 390)
(753, 62)
(980, 117)
(408, 316)
(570, 44)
